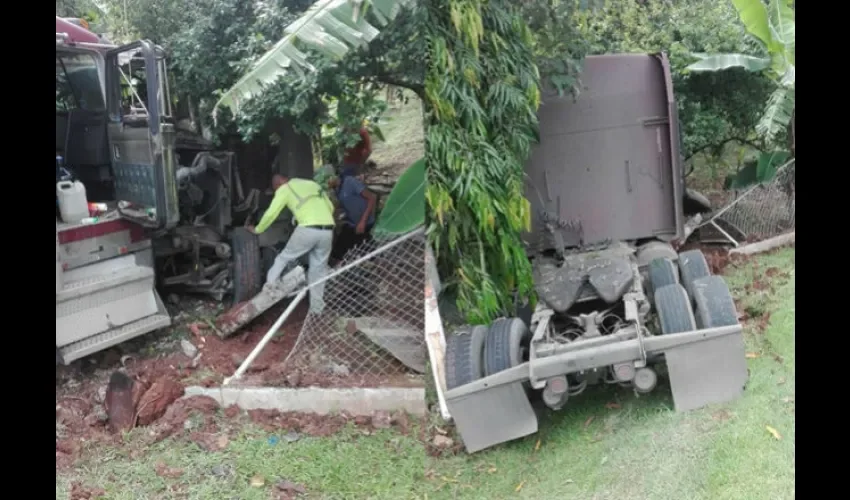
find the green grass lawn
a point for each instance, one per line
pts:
(605, 444)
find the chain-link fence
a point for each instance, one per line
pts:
(757, 212)
(372, 330)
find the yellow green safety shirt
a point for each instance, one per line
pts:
(305, 199)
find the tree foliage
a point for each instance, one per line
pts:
(213, 43)
(482, 93)
(773, 26)
(713, 108)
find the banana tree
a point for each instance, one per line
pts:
(331, 27)
(772, 25)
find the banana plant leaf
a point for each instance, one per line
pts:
(720, 62)
(332, 27)
(404, 209)
(759, 171)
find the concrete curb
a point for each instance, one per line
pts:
(361, 401)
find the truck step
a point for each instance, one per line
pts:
(115, 336)
(101, 276)
(97, 304)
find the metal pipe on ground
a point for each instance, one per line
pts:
(267, 337)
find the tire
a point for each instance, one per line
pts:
(246, 270)
(465, 356)
(652, 250)
(714, 305)
(505, 342)
(674, 310)
(662, 272)
(267, 257)
(692, 266)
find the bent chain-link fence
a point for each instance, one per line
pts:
(372, 330)
(757, 212)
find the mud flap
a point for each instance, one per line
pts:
(492, 416)
(709, 372)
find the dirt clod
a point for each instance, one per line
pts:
(163, 470)
(381, 419)
(231, 411)
(290, 488)
(80, 492)
(157, 399)
(443, 442)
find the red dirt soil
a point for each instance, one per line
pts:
(159, 381)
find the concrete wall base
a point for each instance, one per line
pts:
(358, 401)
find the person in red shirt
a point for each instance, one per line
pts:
(357, 155)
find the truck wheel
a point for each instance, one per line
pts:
(267, 257)
(465, 356)
(246, 270)
(692, 266)
(662, 272)
(674, 309)
(506, 345)
(714, 303)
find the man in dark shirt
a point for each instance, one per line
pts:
(358, 205)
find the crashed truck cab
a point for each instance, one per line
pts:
(124, 156)
(616, 303)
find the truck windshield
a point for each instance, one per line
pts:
(78, 83)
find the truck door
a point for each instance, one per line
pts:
(142, 135)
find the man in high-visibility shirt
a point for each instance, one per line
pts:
(314, 215)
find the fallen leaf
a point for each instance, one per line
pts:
(588, 421)
(775, 433)
(603, 461)
(519, 486)
(781, 381)
(787, 400)
(752, 355)
(491, 470)
(221, 442)
(537, 445)
(612, 406)
(258, 481)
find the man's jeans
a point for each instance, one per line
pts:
(317, 243)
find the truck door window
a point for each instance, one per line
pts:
(78, 83)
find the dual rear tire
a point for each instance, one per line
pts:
(474, 352)
(692, 298)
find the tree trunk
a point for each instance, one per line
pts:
(294, 152)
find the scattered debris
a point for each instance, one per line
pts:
(188, 348)
(291, 437)
(441, 441)
(773, 432)
(162, 470)
(381, 420)
(290, 489)
(80, 492)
